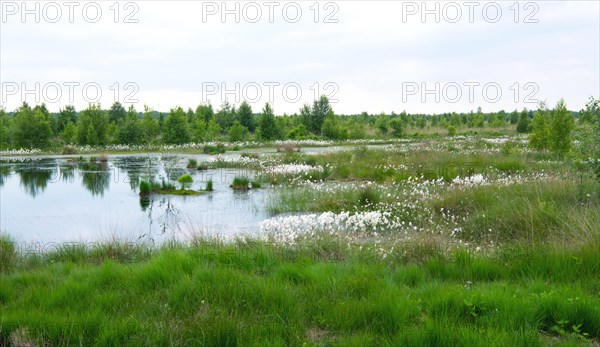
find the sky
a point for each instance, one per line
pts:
(373, 56)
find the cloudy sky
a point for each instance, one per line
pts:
(374, 56)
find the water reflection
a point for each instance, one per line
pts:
(67, 173)
(33, 181)
(5, 171)
(78, 199)
(137, 168)
(95, 177)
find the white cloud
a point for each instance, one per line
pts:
(369, 53)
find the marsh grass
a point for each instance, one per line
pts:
(533, 212)
(522, 270)
(383, 166)
(192, 163)
(253, 293)
(240, 183)
(148, 188)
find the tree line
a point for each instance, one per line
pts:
(36, 127)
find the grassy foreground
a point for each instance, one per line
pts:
(322, 293)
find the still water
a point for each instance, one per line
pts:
(63, 199)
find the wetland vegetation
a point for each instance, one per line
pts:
(448, 239)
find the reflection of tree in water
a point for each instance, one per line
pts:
(5, 171)
(67, 173)
(95, 177)
(136, 168)
(144, 203)
(169, 219)
(35, 181)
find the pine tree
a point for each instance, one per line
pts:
(245, 116)
(523, 125)
(149, 125)
(267, 125)
(92, 126)
(130, 131)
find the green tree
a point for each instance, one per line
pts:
(237, 132)
(540, 128)
(4, 129)
(514, 117)
(266, 125)
(451, 130)
(523, 125)
(199, 129)
(186, 181)
(130, 131)
(382, 124)
(213, 130)
(69, 133)
(421, 122)
(397, 126)
(589, 114)
(116, 113)
(66, 115)
(357, 131)
(226, 115)
(320, 110)
(92, 126)
(455, 119)
(306, 116)
(561, 129)
(330, 128)
(205, 111)
(176, 129)
(32, 128)
(298, 132)
(149, 125)
(246, 117)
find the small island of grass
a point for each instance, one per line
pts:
(243, 183)
(148, 188)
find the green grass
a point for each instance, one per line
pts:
(151, 187)
(192, 163)
(294, 199)
(256, 294)
(559, 210)
(384, 166)
(241, 183)
(529, 275)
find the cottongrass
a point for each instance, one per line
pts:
(292, 169)
(20, 151)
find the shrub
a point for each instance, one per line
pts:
(237, 132)
(145, 188)
(220, 148)
(508, 148)
(192, 164)
(255, 184)
(209, 186)
(68, 149)
(451, 130)
(185, 180)
(240, 183)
